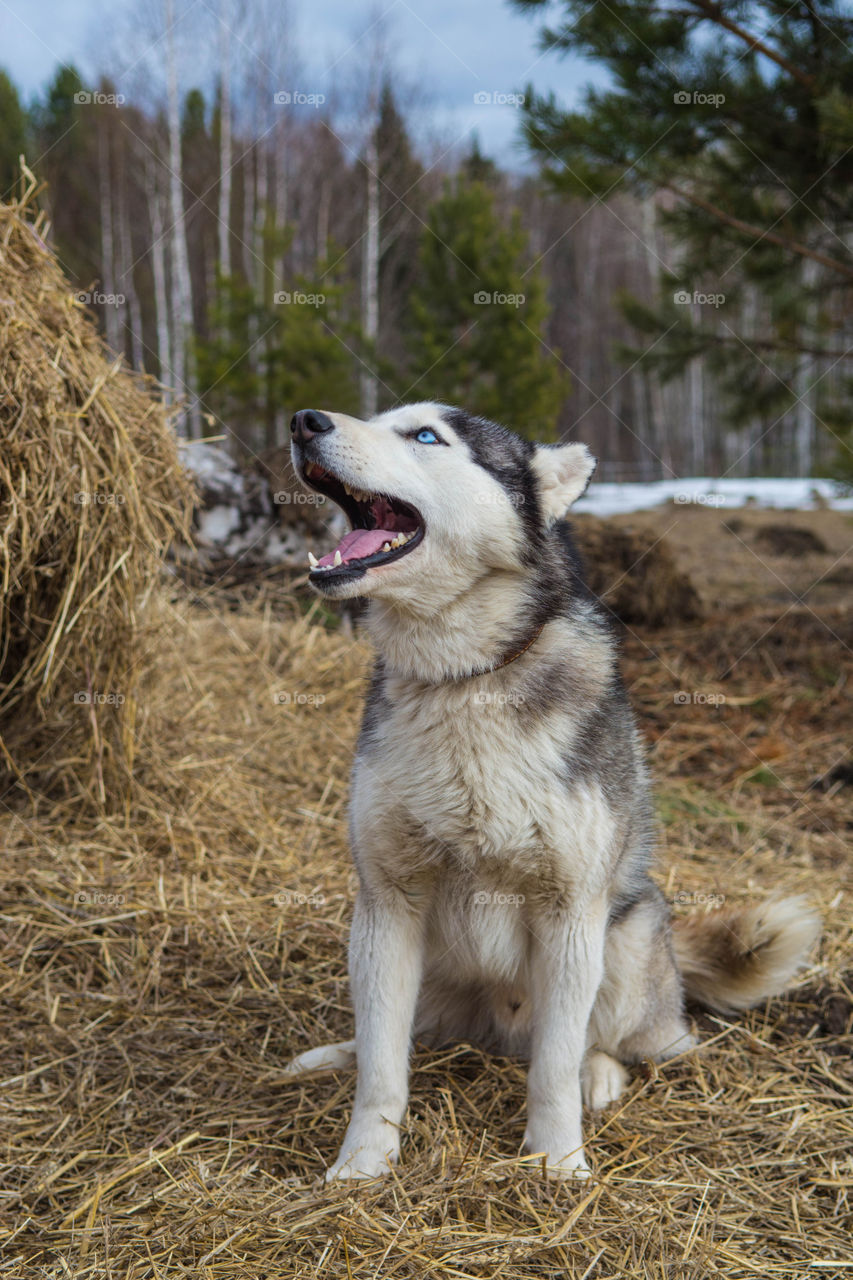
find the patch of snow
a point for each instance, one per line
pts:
(212, 465)
(609, 499)
(216, 525)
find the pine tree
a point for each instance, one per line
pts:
(478, 314)
(65, 128)
(741, 118)
(300, 359)
(400, 202)
(13, 141)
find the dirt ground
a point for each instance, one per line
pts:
(158, 967)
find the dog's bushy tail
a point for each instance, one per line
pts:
(733, 958)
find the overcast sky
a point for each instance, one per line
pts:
(450, 50)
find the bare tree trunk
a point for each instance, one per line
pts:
(158, 268)
(370, 274)
(224, 143)
(112, 323)
(804, 410)
(260, 236)
(697, 443)
(182, 302)
(658, 435)
(128, 284)
(248, 213)
(280, 197)
(750, 449)
(279, 224)
(323, 208)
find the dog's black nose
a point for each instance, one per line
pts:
(309, 422)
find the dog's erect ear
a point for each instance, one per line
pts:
(564, 471)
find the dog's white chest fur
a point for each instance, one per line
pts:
(473, 782)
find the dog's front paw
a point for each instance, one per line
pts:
(573, 1167)
(367, 1157)
(572, 1164)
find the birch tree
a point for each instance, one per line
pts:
(225, 163)
(182, 300)
(125, 272)
(112, 322)
(370, 267)
(155, 200)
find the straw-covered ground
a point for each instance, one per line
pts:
(160, 964)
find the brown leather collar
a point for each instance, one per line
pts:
(505, 661)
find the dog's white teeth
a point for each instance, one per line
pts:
(400, 541)
(312, 560)
(338, 559)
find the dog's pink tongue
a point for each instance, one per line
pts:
(360, 543)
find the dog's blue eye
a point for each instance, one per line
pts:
(426, 437)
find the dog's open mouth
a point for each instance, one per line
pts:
(383, 527)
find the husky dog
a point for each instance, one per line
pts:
(501, 823)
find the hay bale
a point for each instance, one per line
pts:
(635, 574)
(788, 540)
(91, 494)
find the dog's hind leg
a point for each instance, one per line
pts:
(329, 1057)
(638, 1011)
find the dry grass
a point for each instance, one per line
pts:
(159, 968)
(166, 946)
(91, 495)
